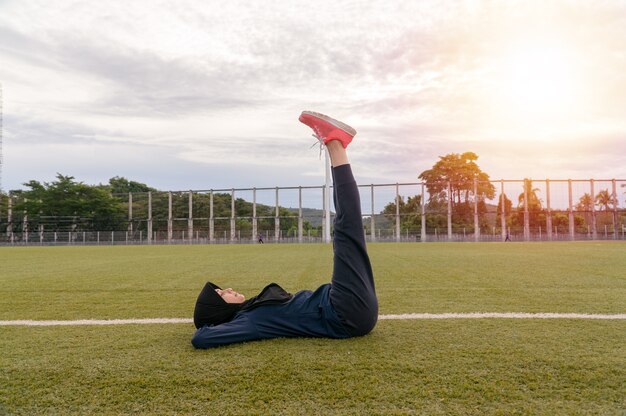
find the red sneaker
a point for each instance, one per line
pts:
(327, 128)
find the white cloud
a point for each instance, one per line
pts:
(218, 87)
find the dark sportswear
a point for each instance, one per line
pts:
(344, 308)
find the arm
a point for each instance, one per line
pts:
(238, 330)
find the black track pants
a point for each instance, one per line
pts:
(353, 294)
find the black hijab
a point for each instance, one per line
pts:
(211, 309)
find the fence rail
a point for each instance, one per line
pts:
(500, 210)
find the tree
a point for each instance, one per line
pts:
(534, 203)
(536, 216)
(460, 171)
(561, 221)
(121, 185)
(585, 205)
(508, 205)
(410, 212)
(4, 205)
(64, 204)
(604, 200)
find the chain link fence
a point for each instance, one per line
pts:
(500, 210)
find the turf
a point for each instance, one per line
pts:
(497, 366)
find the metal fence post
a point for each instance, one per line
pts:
(149, 217)
(130, 212)
(300, 219)
(502, 210)
(277, 219)
(449, 211)
(527, 185)
(423, 230)
(25, 225)
(549, 212)
(594, 225)
(190, 217)
(233, 232)
(211, 218)
(10, 219)
(169, 217)
(615, 217)
(255, 228)
(571, 211)
(476, 225)
(397, 212)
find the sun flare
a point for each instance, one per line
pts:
(536, 83)
(540, 79)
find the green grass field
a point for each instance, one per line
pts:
(454, 366)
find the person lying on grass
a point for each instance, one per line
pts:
(346, 307)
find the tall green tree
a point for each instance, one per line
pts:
(536, 216)
(121, 185)
(585, 203)
(459, 170)
(65, 204)
(584, 206)
(508, 206)
(4, 205)
(534, 202)
(604, 200)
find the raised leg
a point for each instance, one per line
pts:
(353, 293)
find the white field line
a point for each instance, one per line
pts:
(507, 315)
(98, 322)
(472, 315)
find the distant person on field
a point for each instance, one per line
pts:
(261, 238)
(346, 307)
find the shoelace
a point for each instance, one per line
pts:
(320, 141)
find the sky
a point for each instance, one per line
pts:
(206, 95)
